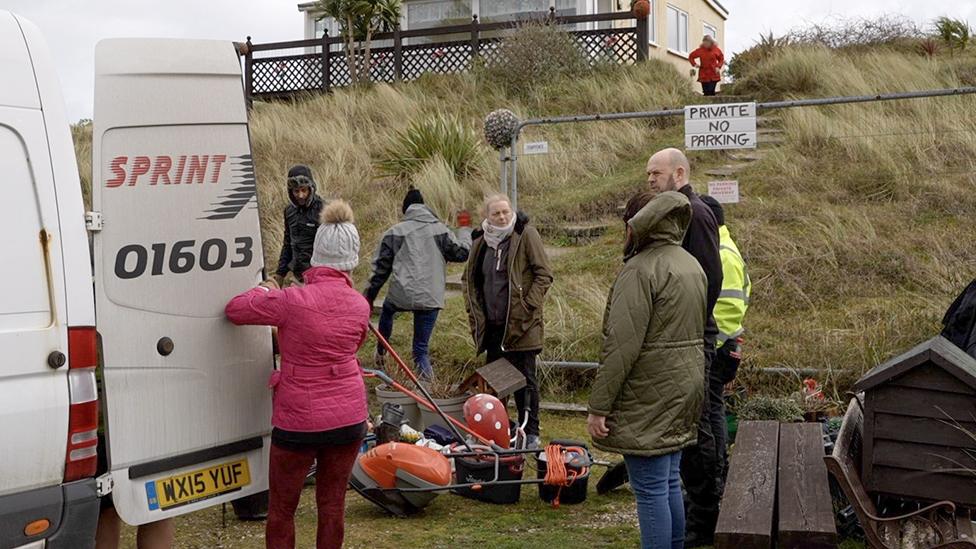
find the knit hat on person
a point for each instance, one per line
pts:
(413, 197)
(716, 208)
(336, 240)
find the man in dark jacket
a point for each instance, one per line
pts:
(505, 285)
(301, 222)
(701, 468)
(415, 252)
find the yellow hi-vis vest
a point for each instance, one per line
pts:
(732, 303)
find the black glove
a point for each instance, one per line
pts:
(727, 359)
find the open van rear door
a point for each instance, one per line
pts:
(187, 405)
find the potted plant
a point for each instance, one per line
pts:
(446, 395)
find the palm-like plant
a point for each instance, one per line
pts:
(358, 21)
(954, 32)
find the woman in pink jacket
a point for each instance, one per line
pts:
(319, 395)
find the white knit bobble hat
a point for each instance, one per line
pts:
(336, 240)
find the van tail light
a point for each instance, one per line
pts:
(81, 457)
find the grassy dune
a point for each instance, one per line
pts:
(856, 230)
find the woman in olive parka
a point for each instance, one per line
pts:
(647, 396)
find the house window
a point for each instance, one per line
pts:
(501, 10)
(327, 23)
(709, 30)
(677, 30)
(437, 13)
(320, 26)
(565, 7)
(652, 25)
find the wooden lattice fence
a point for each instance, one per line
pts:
(270, 73)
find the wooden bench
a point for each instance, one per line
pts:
(805, 510)
(746, 520)
(940, 525)
(777, 492)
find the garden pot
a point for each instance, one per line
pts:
(452, 406)
(411, 410)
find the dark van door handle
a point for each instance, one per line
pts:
(56, 359)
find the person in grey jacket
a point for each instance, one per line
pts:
(415, 252)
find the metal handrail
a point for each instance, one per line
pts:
(841, 100)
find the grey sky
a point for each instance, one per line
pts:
(73, 27)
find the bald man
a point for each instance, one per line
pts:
(701, 469)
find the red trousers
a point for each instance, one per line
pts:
(288, 469)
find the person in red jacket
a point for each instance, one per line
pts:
(319, 409)
(710, 64)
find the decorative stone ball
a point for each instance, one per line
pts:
(641, 9)
(500, 127)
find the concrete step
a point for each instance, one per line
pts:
(571, 407)
(454, 283)
(768, 121)
(774, 139)
(727, 170)
(566, 407)
(751, 156)
(721, 98)
(577, 233)
(557, 251)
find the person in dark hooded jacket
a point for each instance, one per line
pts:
(301, 222)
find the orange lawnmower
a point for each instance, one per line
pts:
(404, 478)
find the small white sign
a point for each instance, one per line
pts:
(725, 192)
(720, 126)
(537, 147)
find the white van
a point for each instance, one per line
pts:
(48, 406)
(175, 235)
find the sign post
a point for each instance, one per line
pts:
(537, 147)
(720, 126)
(725, 192)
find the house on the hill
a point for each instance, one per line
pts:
(676, 27)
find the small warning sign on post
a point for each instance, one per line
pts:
(725, 192)
(716, 127)
(536, 147)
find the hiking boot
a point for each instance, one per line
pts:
(379, 361)
(698, 539)
(532, 442)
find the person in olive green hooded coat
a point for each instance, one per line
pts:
(647, 396)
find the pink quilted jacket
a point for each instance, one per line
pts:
(320, 327)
